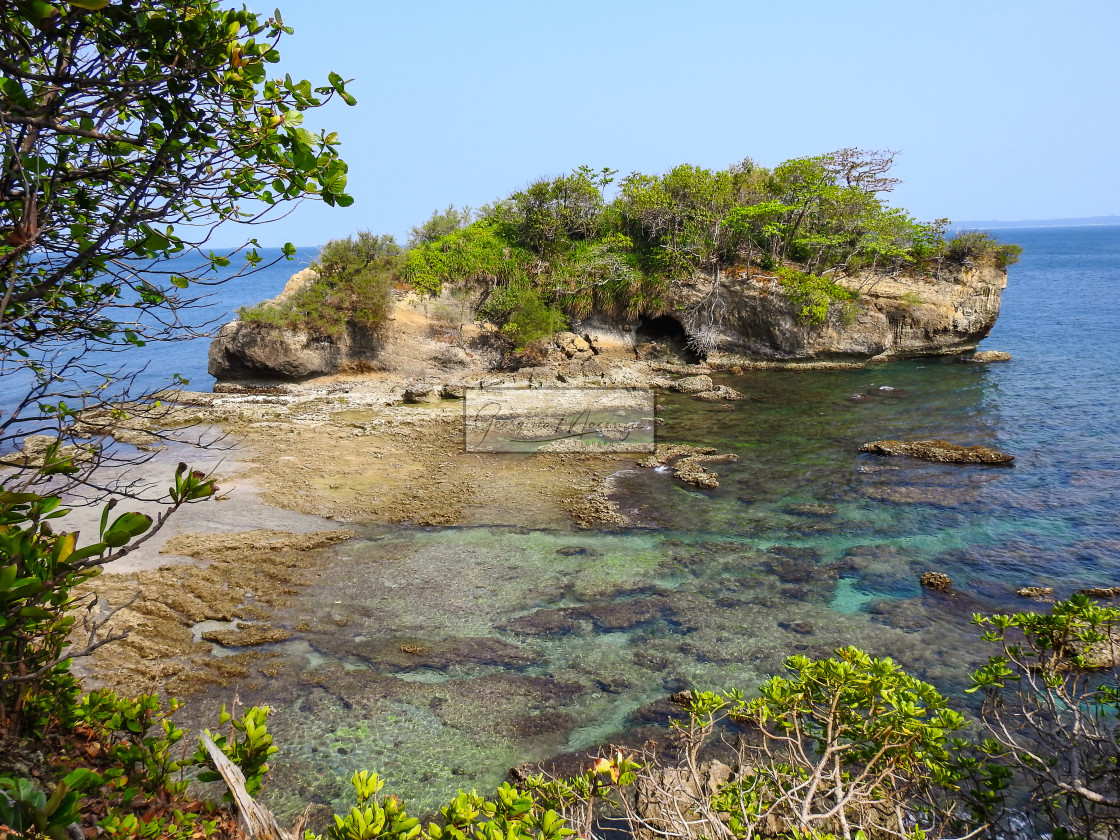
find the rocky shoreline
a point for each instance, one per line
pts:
(343, 449)
(384, 448)
(381, 445)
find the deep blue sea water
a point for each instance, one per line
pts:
(158, 362)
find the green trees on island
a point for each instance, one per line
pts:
(559, 249)
(818, 218)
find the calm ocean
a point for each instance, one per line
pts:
(158, 362)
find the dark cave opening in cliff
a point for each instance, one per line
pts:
(667, 333)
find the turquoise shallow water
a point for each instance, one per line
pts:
(441, 657)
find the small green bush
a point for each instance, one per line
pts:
(139, 736)
(474, 253)
(978, 246)
(814, 294)
(440, 225)
(354, 287)
(522, 315)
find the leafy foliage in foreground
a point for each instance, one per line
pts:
(841, 745)
(1052, 708)
(844, 747)
(128, 133)
(512, 814)
(131, 784)
(38, 603)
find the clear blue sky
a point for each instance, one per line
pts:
(1001, 110)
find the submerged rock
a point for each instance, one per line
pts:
(937, 581)
(622, 615)
(793, 564)
(443, 654)
(899, 614)
(544, 623)
(940, 451)
(920, 494)
(805, 628)
(816, 509)
(577, 551)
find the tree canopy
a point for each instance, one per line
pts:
(128, 132)
(803, 222)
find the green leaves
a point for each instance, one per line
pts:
(125, 170)
(862, 728)
(340, 87)
(124, 528)
(39, 569)
(815, 295)
(191, 485)
(249, 747)
(512, 814)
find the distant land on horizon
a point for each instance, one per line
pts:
(1028, 223)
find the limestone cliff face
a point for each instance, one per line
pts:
(893, 317)
(413, 343)
(247, 351)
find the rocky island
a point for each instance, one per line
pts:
(800, 266)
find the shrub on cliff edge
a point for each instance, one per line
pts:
(354, 286)
(970, 246)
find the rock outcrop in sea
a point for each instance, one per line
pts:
(939, 451)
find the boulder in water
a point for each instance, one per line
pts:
(986, 356)
(1036, 593)
(693, 384)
